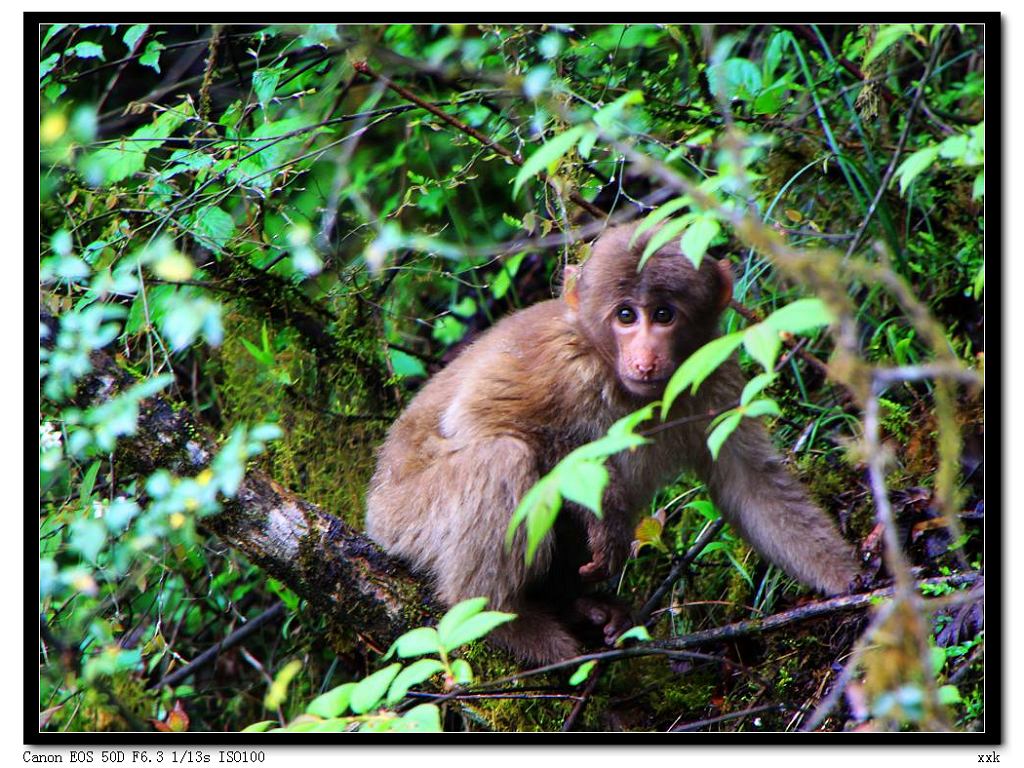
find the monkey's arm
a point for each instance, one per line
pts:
(773, 511)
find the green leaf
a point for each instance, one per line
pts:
(61, 242)
(763, 407)
(87, 50)
(770, 100)
(582, 673)
(763, 343)
(119, 515)
(259, 727)
(151, 57)
(698, 237)
(457, 614)
(773, 53)
(536, 81)
(332, 703)
(46, 65)
(541, 518)
(954, 148)
(412, 675)
(425, 718)
(949, 695)
(213, 227)
(547, 155)
(586, 145)
(609, 113)
(664, 235)
(369, 691)
(462, 673)
(705, 509)
(658, 214)
(120, 160)
(133, 34)
(404, 364)
(721, 432)
(264, 83)
(978, 190)
(915, 165)
(475, 627)
(625, 426)
(756, 385)
(699, 366)
(466, 307)
(53, 30)
(887, 35)
(801, 316)
(735, 78)
(265, 432)
(319, 34)
(584, 482)
(88, 481)
(262, 356)
(417, 642)
(88, 537)
(278, 691)
(267, 150)
(638, 633)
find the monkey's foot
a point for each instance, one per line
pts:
(604, 615)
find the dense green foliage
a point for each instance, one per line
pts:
(286, 229)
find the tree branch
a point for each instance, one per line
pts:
(365, 593)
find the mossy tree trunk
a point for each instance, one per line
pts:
(365, 594)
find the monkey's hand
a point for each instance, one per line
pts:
(596, 570)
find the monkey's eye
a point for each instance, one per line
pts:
(626, 315)
(663, 315)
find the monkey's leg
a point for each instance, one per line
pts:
(772, 510)
(536, 636)
(475, 490)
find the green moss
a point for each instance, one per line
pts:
(895, 419)
(328, 412)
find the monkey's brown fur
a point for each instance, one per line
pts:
(541, 383)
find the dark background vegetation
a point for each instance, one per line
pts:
(284, 243)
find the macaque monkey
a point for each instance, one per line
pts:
(539, 384)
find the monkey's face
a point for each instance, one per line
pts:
(645, 320)
(646, 335)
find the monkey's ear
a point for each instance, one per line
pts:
(725, 280)
(570, 281)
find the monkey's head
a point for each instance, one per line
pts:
(645, 323)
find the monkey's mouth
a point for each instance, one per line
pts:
(645, 387)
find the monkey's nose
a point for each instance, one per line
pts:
(645, 369)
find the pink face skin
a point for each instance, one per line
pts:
(645, 336)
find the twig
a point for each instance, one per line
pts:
(679, 567)
(210, 654)
(885, 376)
(697, 724)
(753, 317)
(865, 640)
(512, 157)
(577, 709)
(891, 169)
(802, 613)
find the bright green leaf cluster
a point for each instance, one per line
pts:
(580, 477)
